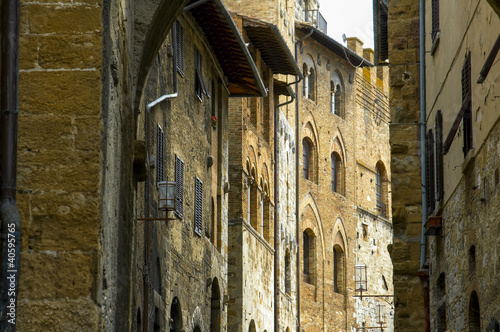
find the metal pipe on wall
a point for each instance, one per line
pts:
(9, 213)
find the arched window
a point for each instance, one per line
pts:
(306, 158)
(336, 98)
(215, 307)
(338, 264)
(305, 91)
(308, 256)
(335, 174)
(288, 273)
(474, 314)
(311, 82)
(175, 316)
(252, 327)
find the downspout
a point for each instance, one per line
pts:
(423, 272)
(9, 213)
(276, 210)
(150, 106)
(297, 176)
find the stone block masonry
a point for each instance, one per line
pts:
(59, 164)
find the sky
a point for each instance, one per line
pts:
(352, 17)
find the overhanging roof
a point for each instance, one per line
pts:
(229, 48)
(333, 45)
(268, 40)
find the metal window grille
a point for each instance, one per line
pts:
(179, 186)
(198, 206)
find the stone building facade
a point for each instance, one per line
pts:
(462, 141)
(186, 134)
(259, 295)
(344, 187)
(117, 97)
(453, 239)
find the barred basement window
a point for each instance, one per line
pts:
(198, 206)
(179, 186)
(160, 148)
(179, 47)
(199, 84)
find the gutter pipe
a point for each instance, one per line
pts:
(9, 213)
(297, 176)
(276, 210)
(151, 105)
(423, 273)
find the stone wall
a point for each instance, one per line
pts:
(189, 268)
(463, 256)
(403, 40)
(357, 133)
(60, 164)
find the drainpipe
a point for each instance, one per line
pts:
(276, 210)
(9, 213)
(423, 272)
(147, 198)
(297, 176)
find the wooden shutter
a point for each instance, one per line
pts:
(160, 148)
(198, 206)
(435, 18)
(439, 157)
(179, 186)
(179, 46)
(467, 98)
(429, 174)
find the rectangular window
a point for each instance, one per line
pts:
(199, 84)
(467, 102)
(198, 206)
(435, 18)
(179, 186)
(179, 47)
(160, 148)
